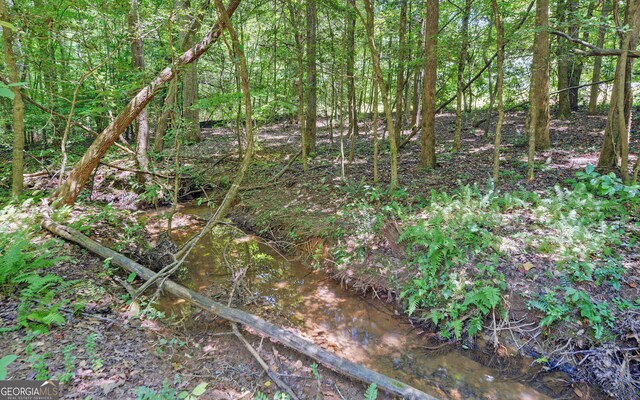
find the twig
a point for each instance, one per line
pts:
(130, 289)
(276, 379)
(135, 170)
(338, 390)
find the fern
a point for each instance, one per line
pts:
(372, 392)
(19, 266)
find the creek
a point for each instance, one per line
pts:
(362, 329)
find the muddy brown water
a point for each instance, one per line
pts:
(364, 330)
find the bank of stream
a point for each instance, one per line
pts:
(368, 331)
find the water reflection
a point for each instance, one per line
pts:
(358, 329)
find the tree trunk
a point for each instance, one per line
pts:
(383, 91)
(564, 109)
(142, 121)
(576, 64)
(462, 55)
(190, 114)
(499, 84)
(539, 91)
(616, 136)
(350, 26)
(168, 109)
(297, 36)
(538, 127)
(17, 161)
(597, 63)
(375, 134)
(311, 89)
(402, 49)
(428, 148)
(71, 187)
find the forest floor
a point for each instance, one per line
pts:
(356, 231)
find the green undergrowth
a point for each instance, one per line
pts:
(22, 261)
(460, 246)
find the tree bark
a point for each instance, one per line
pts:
(597, 63)
(142, 120)
(383, 91)
(311, 89)
(462, 55)
(615, 144)
(499, 94)
(538, 127)
(575, 63)
(297, 35)
(17, 160)
(168, 109)
(562, 54)
(71, 187)
(402, 50)
(190, 114)
(417, 80)
(350, 26)
(428, 142)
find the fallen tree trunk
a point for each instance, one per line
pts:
(326, 358)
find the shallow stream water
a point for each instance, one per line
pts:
(364, 330)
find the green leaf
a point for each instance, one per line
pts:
(372, 392)
(9, 25)
(200, 389)
(131, 277)
(4, 363)
(6, 92)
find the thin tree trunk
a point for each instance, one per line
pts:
(190, 113)
(142, 121)
(417, 80)
(350, 26)
(17, 161)
(499, 84)
(564, 109)
(462, 55)
(311, 89)
(163, 121)
(375, 134)
(597, 63)
(71, 187)
(402, 50)
(297, 36)
(383, 91)
(576, 64)
(428, 151)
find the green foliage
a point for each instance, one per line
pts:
(372, 392)
(39, 365)
(198, 391)
(608, 185)
(277, 396)
(69, 363)
(20, 263)
(167, 392)
(596, 314)
(96, 362)
(4, 364)
(458, 228)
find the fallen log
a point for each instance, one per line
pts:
(284, 337)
